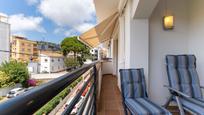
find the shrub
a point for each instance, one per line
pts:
(1, 98)
(32, 82)
(5, 80)
(16, 71)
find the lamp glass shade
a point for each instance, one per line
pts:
(168, 22)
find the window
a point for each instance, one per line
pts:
(45, 60)
(58, 59)
(22, 44)
(52, 60)
(22, 49)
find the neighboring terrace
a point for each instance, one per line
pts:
(133, 35)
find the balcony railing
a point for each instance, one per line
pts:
(30, 102)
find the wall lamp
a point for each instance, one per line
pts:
(168, 22)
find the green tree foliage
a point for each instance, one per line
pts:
(5, 80)
(71, 62)
(16, 71)
(71, 44)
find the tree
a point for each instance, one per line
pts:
(71, 62)
(16, 71)
(71, 44)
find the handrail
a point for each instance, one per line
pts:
(76, 98)
(31, 101)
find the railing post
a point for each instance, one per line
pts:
(95, 87)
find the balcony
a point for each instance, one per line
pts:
(36, 98)
(104, 99)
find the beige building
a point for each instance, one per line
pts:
(23, 49)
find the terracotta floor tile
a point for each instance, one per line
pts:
(112, 112)
(111, 99)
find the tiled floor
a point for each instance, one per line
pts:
(111, 101)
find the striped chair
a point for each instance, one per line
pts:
(135, 96)
(184, 83)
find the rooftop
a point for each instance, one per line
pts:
(51, 54)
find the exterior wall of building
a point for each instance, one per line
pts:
(196, 34)
(133, 42)
(23, 49)
(33, 67)
(4, 41)
(45, 64)
(51, 64)
(166, 42)
(57, 64)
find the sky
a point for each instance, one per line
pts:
(48, 20)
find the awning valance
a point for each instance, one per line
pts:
(101, 32)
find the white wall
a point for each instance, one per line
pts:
(57, 64)
(4, 41)
(45, 65)
(136, 41)
(165, 42)
(196, 34)
(52, 64)
(144, 43)
(133, 42)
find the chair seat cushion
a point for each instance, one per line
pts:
(143, 106)
(194, 105)
(201, 100)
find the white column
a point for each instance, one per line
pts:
(121, 46)
(136, 41)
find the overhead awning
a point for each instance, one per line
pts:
(101, 32)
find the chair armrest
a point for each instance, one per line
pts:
(177, 92)
(202, 87)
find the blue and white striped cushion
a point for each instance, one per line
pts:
(133, 83)
(182, 74)
(143, 106)
(193, 105)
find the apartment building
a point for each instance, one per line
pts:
(51, 62)
(4, 39)
(23, 49)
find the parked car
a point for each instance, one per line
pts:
(15, 92)
(77, 106)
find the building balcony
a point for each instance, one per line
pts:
(103, 97)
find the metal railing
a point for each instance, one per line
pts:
(30, 102)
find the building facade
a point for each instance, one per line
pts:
(51, 62)
(4, 39)
(48, 46)
(23, 49)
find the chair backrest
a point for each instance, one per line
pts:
(133, 83)
(182, 74)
